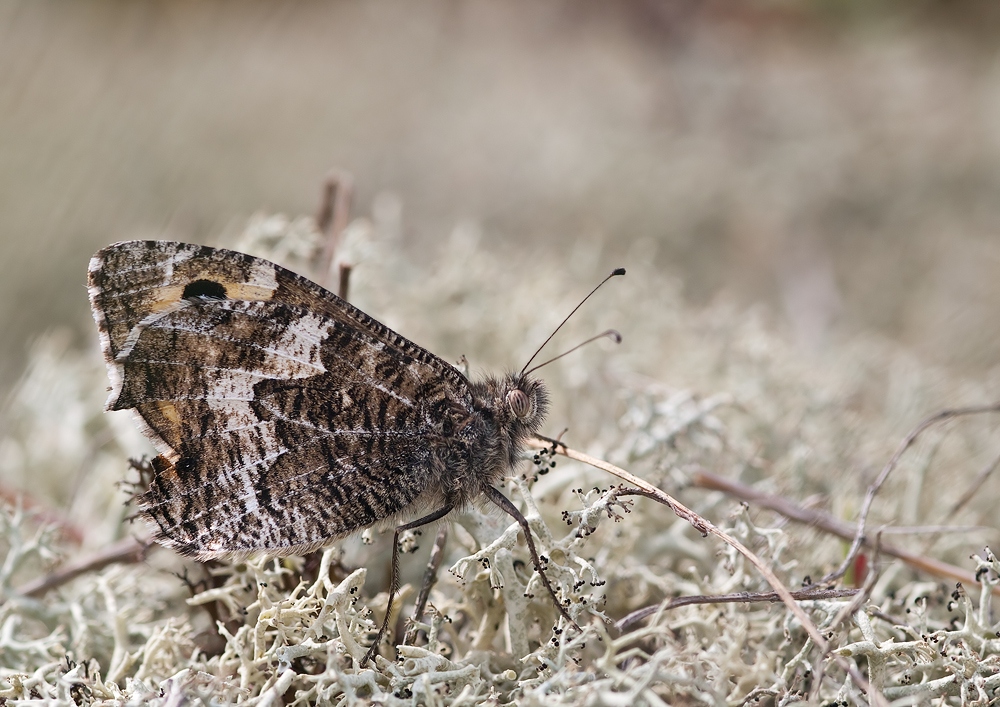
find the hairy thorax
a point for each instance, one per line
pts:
(483, 446)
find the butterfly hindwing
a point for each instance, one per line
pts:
(284, 416)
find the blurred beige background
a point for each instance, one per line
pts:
(839, 162)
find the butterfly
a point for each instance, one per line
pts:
(285, 418)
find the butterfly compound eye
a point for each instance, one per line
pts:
(519, 403)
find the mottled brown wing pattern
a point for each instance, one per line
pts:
(280, 427)
(131, 280)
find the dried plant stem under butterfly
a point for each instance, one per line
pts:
(706, 527)
(285, 418)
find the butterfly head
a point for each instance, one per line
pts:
(524, 402)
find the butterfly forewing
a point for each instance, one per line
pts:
(132, 280)
(280, 427)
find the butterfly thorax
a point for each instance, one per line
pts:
(506, 411)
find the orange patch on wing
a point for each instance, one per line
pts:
(163, 467)
(169, 296)
(248, 291)
(169, 412)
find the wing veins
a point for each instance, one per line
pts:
(330, 432)
(228, 369)
(244, 342)
(186, 493)
(216, 431)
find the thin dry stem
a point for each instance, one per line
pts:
(706, 527)
(332, 217)
(735, 598)
(128, 551)
(344, 283)
(702, 525)
(976, 484)
(429, 579)
(825, 522)
(873, 489)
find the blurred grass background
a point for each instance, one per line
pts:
(838, 162)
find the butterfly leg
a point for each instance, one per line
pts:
(510, 509)
(394, 574)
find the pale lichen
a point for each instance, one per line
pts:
(717, 389)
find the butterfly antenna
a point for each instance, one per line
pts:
(609, 334)
(614, 273)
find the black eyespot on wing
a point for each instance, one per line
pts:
(204, 288)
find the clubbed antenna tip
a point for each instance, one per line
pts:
(616, 336)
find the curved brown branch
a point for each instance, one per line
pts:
(706, 527)
(859, 533)
(702, 525)
(128, 551)
(827, 523)
(736, 598)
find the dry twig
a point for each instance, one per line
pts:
(430, 577)
(331, 220)
(129, 551)
(736, 598)
(702, 525)
(706, 527)
(825, 522)
(859, 533)
(976, 484)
